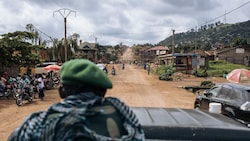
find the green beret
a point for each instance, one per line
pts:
(84, 72)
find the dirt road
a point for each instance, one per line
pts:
(132, 85)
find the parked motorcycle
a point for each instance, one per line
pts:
(23, 93)
(10, 90)
(3, 93)
(49, 84)
(56, 82)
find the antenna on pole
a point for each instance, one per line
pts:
(65, 12)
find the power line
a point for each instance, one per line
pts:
(214, 19)
(65, 12)
(226, 13)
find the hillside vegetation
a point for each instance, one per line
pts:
(209, 37)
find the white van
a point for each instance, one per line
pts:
(39, 69)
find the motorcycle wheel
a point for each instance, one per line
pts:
(8, 94)
(30, 99)
(19, 101)
(13, 94)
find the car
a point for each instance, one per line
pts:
(39, 68)
(234, 99)
(178, 124)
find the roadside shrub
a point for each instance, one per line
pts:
(207, 83)
(165, 69)
(165, 72)
(201, 73)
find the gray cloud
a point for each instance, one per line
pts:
(116, 21)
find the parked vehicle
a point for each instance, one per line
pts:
(10, 90)
(234, 98)
(49, 83)
(39, 69)
(56, 81)
(2, 92)
(23, 93)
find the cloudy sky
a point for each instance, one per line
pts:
(112, 22)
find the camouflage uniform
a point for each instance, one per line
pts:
(83, 116)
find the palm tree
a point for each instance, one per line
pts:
(73, 44)
(30, 27)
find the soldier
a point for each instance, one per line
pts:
(84, 114)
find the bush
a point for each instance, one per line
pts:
(165, 72)
(207, 83)
(201, 73)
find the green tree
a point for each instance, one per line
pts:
(239, 41)
(16, 49)
(72, 45)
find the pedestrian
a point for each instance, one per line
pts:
(40, 86)
(85, 113)
(123, 66)
(113, 70)
(148, 69)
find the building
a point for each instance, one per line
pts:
(151, 54)
(182, 62)
(88, 51)
(235, 55)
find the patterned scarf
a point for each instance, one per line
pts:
(65, 121)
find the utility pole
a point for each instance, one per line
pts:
(195, 43)
(173, 45)
(65, 12)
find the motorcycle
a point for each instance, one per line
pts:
(2, 92)
(23, 93)
(56, 81)
(10, 91)
(49, 84)
(113, 71)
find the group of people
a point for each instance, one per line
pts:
(85, 114)
(23, 81)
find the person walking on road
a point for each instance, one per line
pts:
(123, 66)
(113, 70)
(40, 86)
(148, 69)
(85, 113)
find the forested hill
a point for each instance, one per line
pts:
(211, 35)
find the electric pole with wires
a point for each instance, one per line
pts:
(65, 12)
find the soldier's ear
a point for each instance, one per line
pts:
(61, 91)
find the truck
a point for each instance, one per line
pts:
(189, 124)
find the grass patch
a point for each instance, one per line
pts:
(220, 68)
